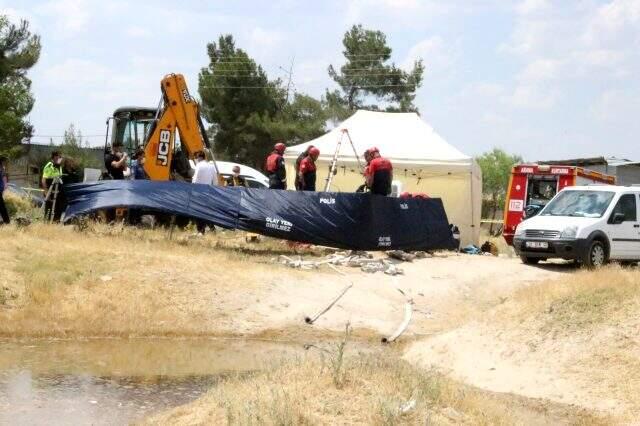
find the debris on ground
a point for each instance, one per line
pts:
(489, 247)
(401, 255)
(22, 221)
(408, 312)
(353, 259)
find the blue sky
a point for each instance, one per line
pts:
(545, 79)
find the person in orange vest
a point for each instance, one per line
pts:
(307, 173)
(274, 166)
(378, 173)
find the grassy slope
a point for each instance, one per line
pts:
(360, 389)
(123, 282)
(596, 312)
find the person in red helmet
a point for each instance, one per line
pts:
(296, 167)
(307, 172)
(378, 173)
(274, 167)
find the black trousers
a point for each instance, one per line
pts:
(3, 210)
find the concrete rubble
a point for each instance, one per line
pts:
(356, 259)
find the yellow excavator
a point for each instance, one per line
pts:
(170, 134)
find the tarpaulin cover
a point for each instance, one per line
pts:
(344, 220)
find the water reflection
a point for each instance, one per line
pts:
(117, 381)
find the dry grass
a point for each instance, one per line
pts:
(17, 205)
(119, 281)
(587, 324)
(376, 389)
(579, 301)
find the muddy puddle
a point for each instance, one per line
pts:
(102, 382)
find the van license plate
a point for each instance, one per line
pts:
(537, 244)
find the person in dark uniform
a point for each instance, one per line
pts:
(307, 173)
(301, 157)
(235, 179)
(3, 184)
(274, 167)
(116, 162)
(378, 173)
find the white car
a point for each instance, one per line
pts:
(589, 224)
(252, 177)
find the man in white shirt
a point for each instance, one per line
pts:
(206, 174)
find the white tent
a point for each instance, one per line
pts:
(422, 162)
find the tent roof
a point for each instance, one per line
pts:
(402, 137)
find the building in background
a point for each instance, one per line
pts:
(626, 172)
(26, 170)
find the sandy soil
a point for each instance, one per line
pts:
(585, 355)
(436, 285)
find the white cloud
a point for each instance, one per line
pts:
(528, 7)
(563, 44)
(533, 97)
(401, 4)
(69, 17)
(76, 72)
(138, 32)
(616, 106)
(407, 11)
(434, 53)
(265, 38)
(540, 70)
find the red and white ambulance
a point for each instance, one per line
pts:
(531, 186)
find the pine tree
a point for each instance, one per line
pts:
(19, 51)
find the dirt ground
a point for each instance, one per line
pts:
(110, 282)
(469, 320)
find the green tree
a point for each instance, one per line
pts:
(73, 147)
(248, 112)
(302, 119)
(367, 74)
(496, 168)
(237, 98)
(19, 51)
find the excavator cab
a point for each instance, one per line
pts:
(170, 135)
(130, 127)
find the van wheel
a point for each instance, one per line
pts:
(530, 260)
(596, 256)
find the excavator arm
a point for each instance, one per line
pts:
(179, 111)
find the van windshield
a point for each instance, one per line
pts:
(579, 204)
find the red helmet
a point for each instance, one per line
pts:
(280, 147)
(405, 195)
(314, 152)
(371, 151)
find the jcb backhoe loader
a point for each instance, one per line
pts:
(154, 130)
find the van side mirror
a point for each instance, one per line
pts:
(617, 218)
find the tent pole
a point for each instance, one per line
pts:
(334, 162)
(355, 152)
(473, 213)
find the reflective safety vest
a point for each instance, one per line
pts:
(50, 171)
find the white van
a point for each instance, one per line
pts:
(589, 224)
